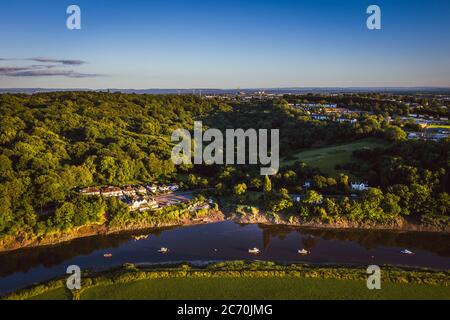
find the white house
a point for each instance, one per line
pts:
(152, 189)
(136, 204)
(152, 205)
(112, 192)
(360, 186)
(163, 188)
(129, 191)
(174, 187)
(91, 191)
(141, 190)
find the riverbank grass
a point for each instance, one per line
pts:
(245, 280)
(288, 288)
(260, 289)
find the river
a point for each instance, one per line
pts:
(225, 241)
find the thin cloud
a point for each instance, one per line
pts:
(43, 66)
(52, 73)
(48, 68)
(60, 61)
(39, 71)
(4, 70)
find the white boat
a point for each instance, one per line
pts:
(254, 251)
(107, 255)
(163, 250)
(304, 252)
(138, 238)
(407, 252)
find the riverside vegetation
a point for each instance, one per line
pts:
(52, 144)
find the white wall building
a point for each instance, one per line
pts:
(360, 186)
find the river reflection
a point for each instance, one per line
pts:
(438, 243)
(225, 241)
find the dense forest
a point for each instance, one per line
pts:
(52, 144)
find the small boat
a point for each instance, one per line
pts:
(107, 255)
(138, 238)
(407, 252)
(254, 251)
(304, 252)
(163, 250)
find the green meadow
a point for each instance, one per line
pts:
(245, 280)
(439, 126)
(286, 288)
(326, 158)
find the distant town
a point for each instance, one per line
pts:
(429, 127)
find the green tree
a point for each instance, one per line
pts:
(64, 216)
(344, 183)
(394, 133)
(240, 189)
(267, 186)
(256, 183)
(312, 197)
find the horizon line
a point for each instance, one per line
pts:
(225, 89)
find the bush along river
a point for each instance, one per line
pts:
(226, 241)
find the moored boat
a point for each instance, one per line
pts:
(137, 238)
(163, 250)
(304, 252)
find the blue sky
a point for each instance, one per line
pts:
(224, 44)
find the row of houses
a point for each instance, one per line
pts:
(429, 135)
(316, 105)
(112, 191)
(359, 186)
(322, 117)
(139, 203)
(355, 186)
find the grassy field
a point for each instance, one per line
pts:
(253, 288)
(439, 127)
(244, 280)
(57, 294)
(327, 158)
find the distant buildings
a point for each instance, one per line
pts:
(129, 191)
(359, 186)
(430, 135)
(91, 191)
(319, 117)
(319, 105)
(111, 192)
(346, 120)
